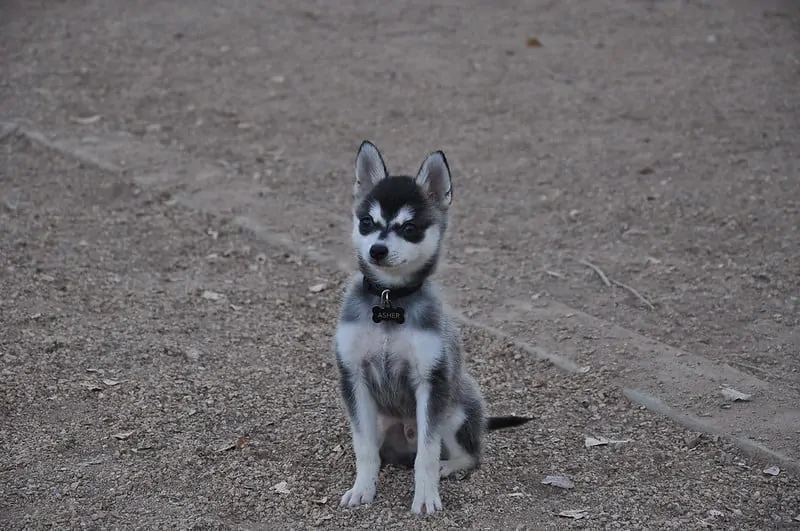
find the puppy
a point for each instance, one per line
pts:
(407, 393)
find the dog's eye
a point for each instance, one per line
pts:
(408, 229)
(365, 224)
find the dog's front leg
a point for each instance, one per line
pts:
(366, 445)
(429, 445)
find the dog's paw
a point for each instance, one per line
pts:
(457, 467)
(358, 495)
(447, 468)
(427, 499)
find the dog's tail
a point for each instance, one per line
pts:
(499, 423)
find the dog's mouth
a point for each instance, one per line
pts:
(386, 264)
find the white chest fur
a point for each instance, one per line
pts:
(358, 343)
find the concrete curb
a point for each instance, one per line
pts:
(748, 446)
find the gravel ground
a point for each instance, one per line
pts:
(139, 337)
(163, 369)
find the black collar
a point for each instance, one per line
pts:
(394, 293)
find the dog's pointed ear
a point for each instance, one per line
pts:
(370, 169)
(434, 179)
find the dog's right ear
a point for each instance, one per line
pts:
(370, 169)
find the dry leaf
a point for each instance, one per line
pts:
(109, 382)
(322, 501)
(577, 514)
(562, 482)
(225, 447)
(772, 471)
(316, 288)
(212, 295)
(602, 441)
(735, 396)
(123, 435)
(87, 120)
(533, 42)
(242, 441)
(142, 448)
(280, 488)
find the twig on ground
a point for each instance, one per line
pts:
(608, 283)
(635, 294)
(597, 270)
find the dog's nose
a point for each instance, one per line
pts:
(378, 252)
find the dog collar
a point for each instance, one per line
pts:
(387, 311)
(394, 293)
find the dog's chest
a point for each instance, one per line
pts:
(391, 359)
(366, 342)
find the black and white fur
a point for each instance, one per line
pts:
(408, 395)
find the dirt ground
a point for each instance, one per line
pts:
(656, 140)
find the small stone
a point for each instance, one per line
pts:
(280, 488)
(212, 295)
(192, 354)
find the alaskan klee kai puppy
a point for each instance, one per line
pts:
(407, 393)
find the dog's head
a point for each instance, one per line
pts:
(399, 221)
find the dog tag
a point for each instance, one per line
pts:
(387, 312)
(396, 314)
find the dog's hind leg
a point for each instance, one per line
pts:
(463, 431)
(461, 438)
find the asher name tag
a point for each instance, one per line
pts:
(392, 314)
(387, 312)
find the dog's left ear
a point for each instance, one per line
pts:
(434, 178)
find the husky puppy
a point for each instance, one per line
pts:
(407, 393)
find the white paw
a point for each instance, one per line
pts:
(427, 498)
(358, 495)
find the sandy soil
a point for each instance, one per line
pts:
(656, 140)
